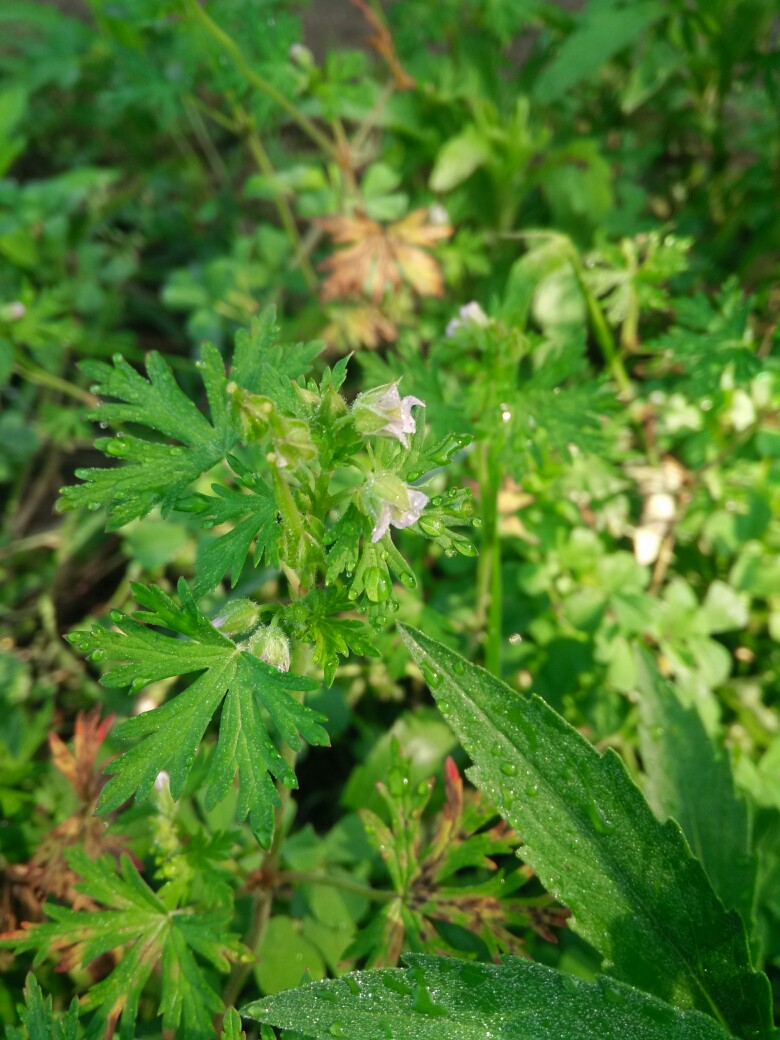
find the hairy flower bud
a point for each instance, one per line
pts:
(384, 413)
(392, 503)
(271, 645)
(237, 617)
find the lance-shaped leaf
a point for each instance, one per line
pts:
(636, 892)
(138, 653)
(688, 777)
(441, 999)
(146, 934)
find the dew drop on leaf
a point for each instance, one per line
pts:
(458, 667)
(509, 769)
(431, 676)
(601, 822)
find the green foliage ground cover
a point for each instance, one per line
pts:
(390, 556)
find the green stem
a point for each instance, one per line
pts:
(41, 377)
(263, 903)
(313, 877)
(264, 164)
(489, 586)
(601, 330)
(261, 83)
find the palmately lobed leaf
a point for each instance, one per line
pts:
(151, 473)
(437, 998)
(147, 935)
(636, 892)
(136, 652)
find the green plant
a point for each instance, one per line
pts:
(268, 810)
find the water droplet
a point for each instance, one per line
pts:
(601, 822)
(117, 616)
(377, 584)
(93, 507)
(532, 791)
(200, 364)
(337, 1029)
(610, 992)
(496, 750)
(445, 708)
(476, 522)
(515, 638)
(458, 667)
(414, 475)
(425, 1004)
(408, 579)
(352, 985)
(97, 655)
(432, 677)
(509, 769)
(450, 553)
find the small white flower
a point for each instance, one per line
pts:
(437, 214)
(392, 503)
(162, 780)
(384, 413)
(13, 311)
(469, 313)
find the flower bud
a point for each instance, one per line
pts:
(237, 617)
(384, 413)
(271, 645)
(300, 55)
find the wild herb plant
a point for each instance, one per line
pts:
(609, 399)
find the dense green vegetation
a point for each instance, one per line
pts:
(402, 659)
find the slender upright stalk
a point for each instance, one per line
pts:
(489, 585)
(261, 83)
(264, 164)
(264, 898)
(602, 331)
